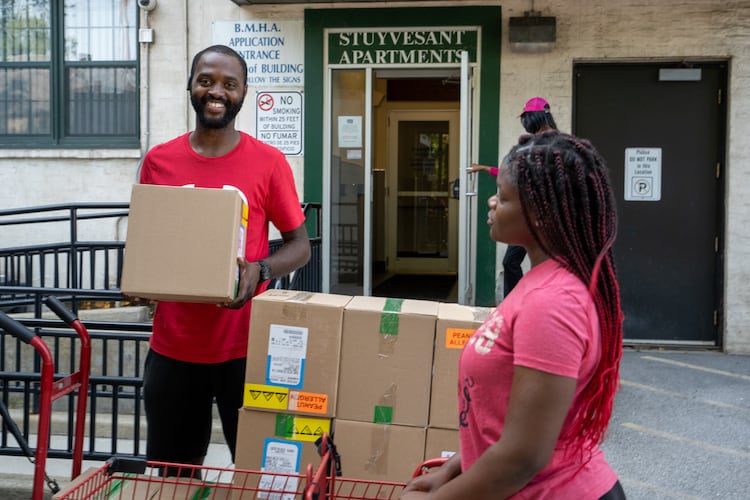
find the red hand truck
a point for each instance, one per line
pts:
(51, 390)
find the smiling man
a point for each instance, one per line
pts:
(197, 351)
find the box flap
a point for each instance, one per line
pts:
(302, 297)
(458, 312)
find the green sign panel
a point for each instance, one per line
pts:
(403, 46)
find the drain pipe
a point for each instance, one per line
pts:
(146, 37)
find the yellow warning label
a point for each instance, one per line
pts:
(310, 429)
(308, 402)
(456, 338)
(269, 397)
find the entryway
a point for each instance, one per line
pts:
(417, 210)
(392, 213)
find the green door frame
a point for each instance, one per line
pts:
(487, 134)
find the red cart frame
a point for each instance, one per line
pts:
(127, 478)
(327, 484)
(51, 390)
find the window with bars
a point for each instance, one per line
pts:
(68, 73)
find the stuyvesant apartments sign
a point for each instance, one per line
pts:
(409, 46)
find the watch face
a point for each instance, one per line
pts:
(265, 271)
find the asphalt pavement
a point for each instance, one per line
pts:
(681, 426)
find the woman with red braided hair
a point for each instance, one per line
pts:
(537, 380)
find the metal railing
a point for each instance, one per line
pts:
(85, 275)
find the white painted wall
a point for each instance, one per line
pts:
(587, 30)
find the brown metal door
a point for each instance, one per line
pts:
(670, 243)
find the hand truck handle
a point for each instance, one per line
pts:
(62, 312)
(431, 463)
(16, 329)
(126, 464)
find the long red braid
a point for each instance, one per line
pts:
(564, 183)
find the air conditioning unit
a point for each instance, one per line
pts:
(532, 33)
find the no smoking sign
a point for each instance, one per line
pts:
(278, 120)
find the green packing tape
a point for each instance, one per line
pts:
(284, 426)
(383, 415)
(203, 493)
(389, 318)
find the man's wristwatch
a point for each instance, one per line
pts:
(265, 270)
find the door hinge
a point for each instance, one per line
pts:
(718, 97)
(716, 317)
(716, 244)
(718, 169)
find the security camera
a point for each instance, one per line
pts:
(147, 4)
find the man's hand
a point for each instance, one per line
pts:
(249, 277)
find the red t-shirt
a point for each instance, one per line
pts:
(205, 333)
(548, 323)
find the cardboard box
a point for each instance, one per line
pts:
(378, 452)
(386, 360)
(455, 325)
(84, 478)
(276, 442)
(441, 443)
(182, 243)
(97, 483)
(293, 352)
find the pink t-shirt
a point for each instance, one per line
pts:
(548, 323)
(204, 333)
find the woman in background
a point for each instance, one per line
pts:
(535, 118)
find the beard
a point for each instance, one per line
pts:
(230, 111)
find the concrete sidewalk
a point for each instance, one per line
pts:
(680, 430)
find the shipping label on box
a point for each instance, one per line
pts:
(269, 397)
(182, 243)
(386, 360)
(293, 352)
(287, 349)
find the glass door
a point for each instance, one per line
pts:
(347, 247)
(423, 163)
(467, 191)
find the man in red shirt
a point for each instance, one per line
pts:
(197, 351)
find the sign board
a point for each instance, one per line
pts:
(273, 50)
(278, 120)
(412, 46)
(642, 174)
(350, 132)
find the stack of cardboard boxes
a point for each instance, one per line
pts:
(384, 386)
(379, 374)
(291, 379)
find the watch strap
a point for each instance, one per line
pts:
(265, 270)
